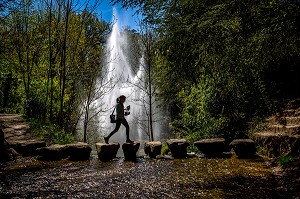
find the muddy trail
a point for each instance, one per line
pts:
(146, 178)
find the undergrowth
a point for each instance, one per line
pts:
(50, 133)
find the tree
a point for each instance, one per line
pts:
(142, 48)
(224, 49)
(48, 47)
(91, 84)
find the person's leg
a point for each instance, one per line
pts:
(118, 124)
(125, 123)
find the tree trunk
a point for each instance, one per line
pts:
(150, 102)
(63, 65)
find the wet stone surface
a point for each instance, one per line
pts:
(145, 178)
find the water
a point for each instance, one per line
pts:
(146, 178)
(119, 79)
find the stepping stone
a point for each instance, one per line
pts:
(27, 147)
(243, 148)
(153, 149)
(213, 147)
(107, 152)
(53, 152)
(178, 147)
(79, 151)
(130, 149)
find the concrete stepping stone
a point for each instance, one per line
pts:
(107, 152)
(53, 152)
(153, 149)
(213, 147)
(243, 148)
(79, 151)
(130, 149)
(178, 147)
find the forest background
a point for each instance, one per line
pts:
(218, 66)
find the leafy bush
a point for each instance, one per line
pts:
(220, 108)
(284, 161)
(50, 133)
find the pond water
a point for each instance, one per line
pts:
(146, 178)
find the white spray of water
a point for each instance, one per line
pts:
(120, 77)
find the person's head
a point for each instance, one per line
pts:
(122, 99)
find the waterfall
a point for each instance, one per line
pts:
(119, 79)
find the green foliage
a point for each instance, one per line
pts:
(50, 133)
(165, 149)
(218, 64)
(284, 161)
(221, 62)
(261, 150)
(49, 58)
(192, 148)
(213, 109)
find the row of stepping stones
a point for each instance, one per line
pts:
(16, 133)
(107, 152)
(244, 148)
(215, 147)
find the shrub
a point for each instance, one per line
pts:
(284, 161)
(50, 133)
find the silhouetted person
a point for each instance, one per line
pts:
(121, 113)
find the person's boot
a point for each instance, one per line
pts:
(129, 141)
(106, 140)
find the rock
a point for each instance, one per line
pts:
(15, 127)
(79, 151)
(130, 149)
(275, 145)
(243, 148)
(178, 147)
(213, 147)
(107, 152)
(6, 152)
(27, 147)
(53, 152)
(8, 119)
(152, 149)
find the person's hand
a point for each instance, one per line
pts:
(128, 108)
(127, 113)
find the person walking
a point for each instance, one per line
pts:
(121, 113)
